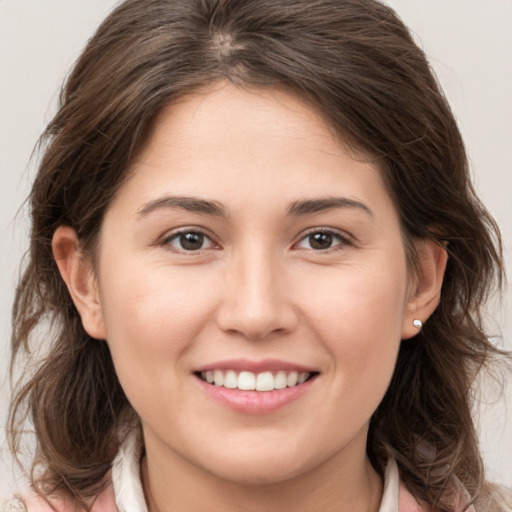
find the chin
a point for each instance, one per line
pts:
(259, 469)
(258, 475)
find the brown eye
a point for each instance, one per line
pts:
(322, 241)
(189, 241)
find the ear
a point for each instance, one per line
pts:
(77, 273)
(426, 290)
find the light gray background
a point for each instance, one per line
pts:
(469, 43)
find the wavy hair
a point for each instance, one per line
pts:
(356, 63)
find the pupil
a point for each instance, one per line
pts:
(192, 241)
(320, 240)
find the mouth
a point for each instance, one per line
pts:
(251, 381)
(256, 387)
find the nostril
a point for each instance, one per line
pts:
(257, 325)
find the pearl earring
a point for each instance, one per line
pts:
(418, 324)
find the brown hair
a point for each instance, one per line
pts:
(356, 63)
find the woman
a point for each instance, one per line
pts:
(263, 262)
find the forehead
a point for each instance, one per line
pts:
(236, 145)
(235, 112)
(226, 117)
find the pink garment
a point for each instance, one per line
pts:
(124, 491)
(407, 503)
(106, 503)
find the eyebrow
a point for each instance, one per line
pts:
(214, 208)
(309, 206)
(191, 204)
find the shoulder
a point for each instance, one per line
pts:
(13, 505)
(104, 502)
(494, 498)
(407, 502)
(33, 503)
(19, 504)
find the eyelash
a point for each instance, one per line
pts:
(343, 240)
(166, 241)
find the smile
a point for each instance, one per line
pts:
(249, 381)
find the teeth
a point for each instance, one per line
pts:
(218, 378)
(265, 382)
(292, 378)
(230, 380)
(280, 380)
(248, 381)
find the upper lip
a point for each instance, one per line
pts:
(263, 365)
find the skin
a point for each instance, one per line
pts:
(256, 289)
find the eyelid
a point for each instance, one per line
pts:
(345, 238)
(165, 239)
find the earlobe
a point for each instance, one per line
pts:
(76, 271)
(426, 294)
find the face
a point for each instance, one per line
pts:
(253, 288)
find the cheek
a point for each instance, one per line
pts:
(152, 320)
(366, 303)
(360, 320)
(152, 317)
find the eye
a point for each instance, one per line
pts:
(321, 240)
(189, 241)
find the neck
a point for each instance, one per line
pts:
(330, 487)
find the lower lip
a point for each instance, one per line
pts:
(256, 402)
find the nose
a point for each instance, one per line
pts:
(256, 301)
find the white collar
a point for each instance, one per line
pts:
(126, 478)
(129, 496)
